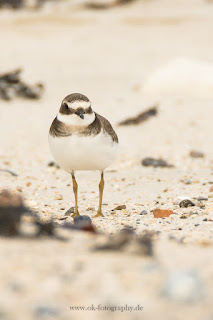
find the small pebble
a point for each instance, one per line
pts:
(187, 181)
(63, 218)
(121, 207)
(90, 209)
(186, 203)
(196, 154)
(70, 211)
(58, 197)
(53, 164)
(160, 213)
(201, 205)
(193, 212)
(179, 199)
(143, 212)
(151, 162)
(82, 219)
(201, 198)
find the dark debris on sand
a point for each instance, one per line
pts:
(12, 209)
(100, 5)
(141, 117)
(151, 162)
(14, 4)
(12, 224)
(11, 86)
(89, 4)
(45, 228)
(53, 164)
(10, 171)
(196, 154)
(127, 241)
(20, 4)
(120, 207)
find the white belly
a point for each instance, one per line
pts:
(83, 153)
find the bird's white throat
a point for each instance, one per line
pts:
(75, 120)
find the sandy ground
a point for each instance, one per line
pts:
(107, 55)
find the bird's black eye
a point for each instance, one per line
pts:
(66, 105)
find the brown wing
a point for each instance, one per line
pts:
(58, 129)
(106, 125)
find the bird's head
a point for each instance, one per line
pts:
(76, 110)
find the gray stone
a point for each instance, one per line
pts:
(82, 219)
(200, 198)
(151, 162)
(143, 212)
(46, 312)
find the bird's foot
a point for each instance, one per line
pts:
(75, 214)
(98, 214)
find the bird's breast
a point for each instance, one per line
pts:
(76, 152)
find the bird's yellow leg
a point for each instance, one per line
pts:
(101, 189)
(75, 190)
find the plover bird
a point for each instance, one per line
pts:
(81, 139)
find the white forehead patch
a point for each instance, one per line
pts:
(75, 120)
(79, 104)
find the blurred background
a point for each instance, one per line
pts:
(127, 57)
